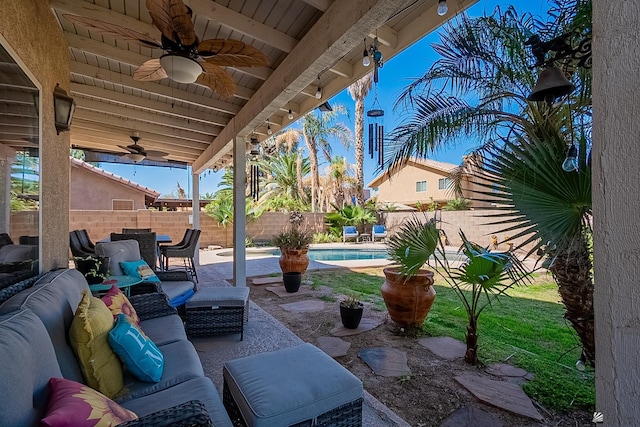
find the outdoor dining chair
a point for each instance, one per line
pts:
(147, 244)
(135, 230)
(186, 252)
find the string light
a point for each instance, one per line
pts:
(290, 113)
(319, 90)
(365, 55)
(269, 131)
(442, 8)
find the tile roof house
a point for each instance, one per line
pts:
(92, 188)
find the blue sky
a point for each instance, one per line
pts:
(394, 76)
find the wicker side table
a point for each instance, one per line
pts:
(217, 311)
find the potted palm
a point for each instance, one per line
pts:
(351, 309)
(408, 289)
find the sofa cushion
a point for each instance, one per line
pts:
(54, 299)
(139, 269)
(164, 330)
(18, 253)
(75, 404)
(181, 363)
(118, 303)
(178, 292)
(119, 251)
(138, 353)
(89, 337)
(27, 361)
(201, 389)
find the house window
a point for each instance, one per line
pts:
(121, 205)
(445, 183)
(421, 186)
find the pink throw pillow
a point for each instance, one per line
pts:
(119, 303)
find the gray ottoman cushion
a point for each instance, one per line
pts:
(201, 389)
(176, 288)
(289, 386)
(164, 330)
(221, 296)
(181, 363)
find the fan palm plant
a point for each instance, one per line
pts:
(482, 277)
(479, 89)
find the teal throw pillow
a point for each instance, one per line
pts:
(139, 269)
(138, 353)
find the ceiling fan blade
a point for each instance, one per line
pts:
(216, 79)
(127, 148)
(181, 21)
(149, 71)
(230, 52)
(159, 12)
(113, 30)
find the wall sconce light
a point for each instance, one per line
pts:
(365, 55)
(290, 113)
(63, 106)
(319, 90)
(442, 7)
(269, 131)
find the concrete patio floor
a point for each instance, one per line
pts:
(263, 332)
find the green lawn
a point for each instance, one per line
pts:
(527, 330)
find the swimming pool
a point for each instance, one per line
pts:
(319, 254)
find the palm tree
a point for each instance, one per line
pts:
(317, 129)
(281, 189)
(358, 91)
(478, 89)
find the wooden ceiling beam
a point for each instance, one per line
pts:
(231, 19)
(321, 5)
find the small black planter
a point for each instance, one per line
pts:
(351, 316)
(88, 266)
(292, 280)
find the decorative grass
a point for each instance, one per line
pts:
(526, 330)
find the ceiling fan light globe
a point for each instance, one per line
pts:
(180, 69)
(135, 157)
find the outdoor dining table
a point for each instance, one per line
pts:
(160, 239)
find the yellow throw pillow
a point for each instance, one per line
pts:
(89, 337)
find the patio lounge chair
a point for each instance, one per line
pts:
(349, 232)
(378, 231)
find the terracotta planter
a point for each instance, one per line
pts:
(294, 260)
(408, 300)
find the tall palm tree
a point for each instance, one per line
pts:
(358, 91)
(478, 89)
(317, 129)
(281, 190)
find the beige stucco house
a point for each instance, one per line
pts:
(92, 188)
(419, 182)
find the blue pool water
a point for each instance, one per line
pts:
(321, 254)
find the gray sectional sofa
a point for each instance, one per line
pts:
(34, 347)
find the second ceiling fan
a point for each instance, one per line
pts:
(137, 153)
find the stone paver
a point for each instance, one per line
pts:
(266, 280)
(307, 306)
(468, 416)
(365, 325)
(386, 361)
(333, 346)
(501, 394)
(445, 347)
(282, 292)
(505, 370)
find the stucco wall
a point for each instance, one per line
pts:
(401, 188)
(32, 32)
(616, 185)
(91, 191)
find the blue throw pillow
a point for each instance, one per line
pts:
(139, 269)
(138, 353)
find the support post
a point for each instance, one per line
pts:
(195, 212)
(239, 208)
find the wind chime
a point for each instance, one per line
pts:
(375, 120)
(254, 171)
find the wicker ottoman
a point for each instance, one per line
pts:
(217, 311)
(295, 386)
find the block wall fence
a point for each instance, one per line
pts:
(100, 224)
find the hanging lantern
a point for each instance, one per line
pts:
(375, 120)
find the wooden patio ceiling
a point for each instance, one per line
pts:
(303, 39)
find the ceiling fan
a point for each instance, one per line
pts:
(137, 153)
(186, 59)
